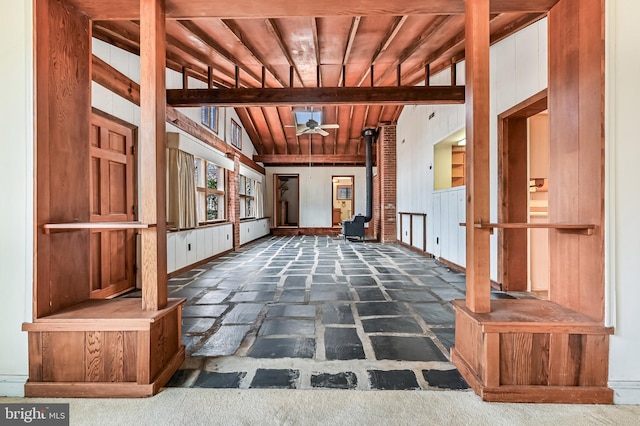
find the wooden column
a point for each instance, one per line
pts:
(152, 154)
(576, 179)
(477, 122)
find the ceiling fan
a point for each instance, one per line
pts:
(312, 126)
(309, 122)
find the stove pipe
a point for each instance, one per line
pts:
(369, 136)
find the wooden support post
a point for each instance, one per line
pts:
(185, 78)
(264, 73)
(454, 73)
(372, 78)
(152, 154)
(399, 75)
(317, 75)
(237, 79)
(427, 74)
(477, 122)
(291, 76)
(209, 78)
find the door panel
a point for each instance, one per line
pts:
(112, 200)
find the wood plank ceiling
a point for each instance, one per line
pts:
(279, 43)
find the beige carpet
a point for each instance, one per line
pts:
(179, 406)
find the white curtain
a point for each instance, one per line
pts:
(259, 199)
(182, 190)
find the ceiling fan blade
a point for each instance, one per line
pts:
(321, 132)
(301, 128)
(329, 126)
(304, 131)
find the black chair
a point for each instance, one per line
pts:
(353, 227)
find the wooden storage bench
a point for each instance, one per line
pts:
(104, 348)
(532, 351)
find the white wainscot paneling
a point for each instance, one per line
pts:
(406, 229)
(201, 250)
(462, 232)
(171, 252)
(454, 222)
(215, 240)
(192, 244)
(226, 238)
(437, 225)
(418, 232)
(208, 242)
(181, 249)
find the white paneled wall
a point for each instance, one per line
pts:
(518, 71)
(185, 248)
(253, 229)
(315, 192)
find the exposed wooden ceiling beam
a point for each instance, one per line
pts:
(438, 23)
(384, 44)
(235, 30)
(206, 39)
(273, 29)
(355, 23)
(247, 123)
(310, 159)
(305, 96)
(316, 47)
(180, 9)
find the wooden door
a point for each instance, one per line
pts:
(112, 186)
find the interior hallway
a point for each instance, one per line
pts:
(319, 312)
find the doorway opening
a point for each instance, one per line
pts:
(342, 199)
(287, 202)
(523, 170)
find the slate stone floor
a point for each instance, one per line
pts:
(319, 312)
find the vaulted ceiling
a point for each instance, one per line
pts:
(310, 43)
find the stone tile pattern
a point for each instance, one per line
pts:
(381, 310)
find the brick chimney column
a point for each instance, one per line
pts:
(387, 183)
(233, 199)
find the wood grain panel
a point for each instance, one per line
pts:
(565, 353)
(96, 260)
(118, 263)
(112, 357)
(94, 356)
(514, 189)
(63, 356)
(70, 271)
(118, 189)
(35, 356)
(130, 356)
(576, 156)
(594, 361)
(539, 359)
(62, 93)
(95, 186)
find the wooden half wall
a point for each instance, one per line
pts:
(63, 108)
(576, 121)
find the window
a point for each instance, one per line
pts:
(246, 190)
(236, 135)
(210, 191)
(210, 118)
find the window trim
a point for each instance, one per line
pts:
(207, 191)
(208, 122)
(236, 135)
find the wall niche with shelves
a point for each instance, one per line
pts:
(458, 164)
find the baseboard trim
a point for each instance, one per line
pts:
(12, 385)
(415, 249)
(625, 392)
